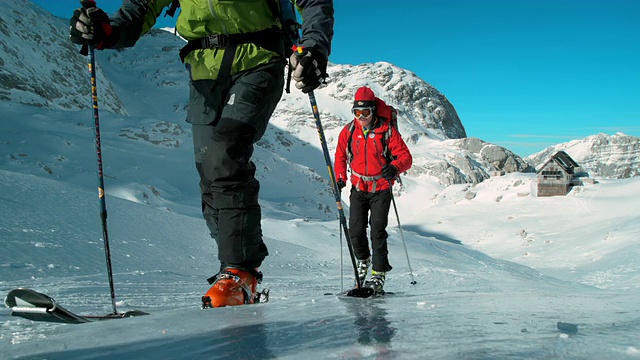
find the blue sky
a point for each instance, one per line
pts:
(521, 74)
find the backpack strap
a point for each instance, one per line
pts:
(385, 144)
(390, 115)
(352, 128)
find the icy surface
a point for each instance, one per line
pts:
(466, 304)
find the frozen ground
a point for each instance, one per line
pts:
(466, 304)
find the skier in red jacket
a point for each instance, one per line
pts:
(376, 156)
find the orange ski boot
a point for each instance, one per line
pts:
(231, 287)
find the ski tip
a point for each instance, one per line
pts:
(127, 314)
(134, 313)
(363, 292)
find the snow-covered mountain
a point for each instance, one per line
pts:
(610, 156)
(39, 66)
(131, 81)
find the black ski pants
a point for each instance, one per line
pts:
(361, 204)
(228, 119)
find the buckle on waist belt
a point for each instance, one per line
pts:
(370, 178)
(214, 41)
(269, 39)
(366, 177)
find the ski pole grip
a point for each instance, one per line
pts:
(86, 4)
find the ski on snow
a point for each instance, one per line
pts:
(35, 306)
(362, 293)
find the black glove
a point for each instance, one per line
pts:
(91, 26)
(341, 184)
(308, 69)
(389, 172)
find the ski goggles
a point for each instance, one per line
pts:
(362, 112)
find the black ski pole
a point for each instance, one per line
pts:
(341, 262)
(101, 194)
(359, 291)
(404, 243)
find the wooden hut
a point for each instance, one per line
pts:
(557, 175)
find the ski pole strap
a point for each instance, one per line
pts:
(172, 9)
(366, 178)
(287, 87)
(270, 39)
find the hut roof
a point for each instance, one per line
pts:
(563, 160)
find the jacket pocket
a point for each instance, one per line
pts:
(206, 98)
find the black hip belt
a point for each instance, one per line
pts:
(270, 39)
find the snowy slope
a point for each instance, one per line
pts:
(466, 304)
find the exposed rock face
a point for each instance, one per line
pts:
(423, 109)
(608, 156)
(494, 157)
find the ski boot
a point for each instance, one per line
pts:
(233, 286)
(377, 282)
(363, 268)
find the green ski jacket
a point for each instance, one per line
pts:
(200, 18)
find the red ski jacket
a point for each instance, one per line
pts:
(368, 156)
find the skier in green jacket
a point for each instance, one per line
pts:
(236, 57)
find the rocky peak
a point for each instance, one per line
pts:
(609, 156)
(422, 109)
